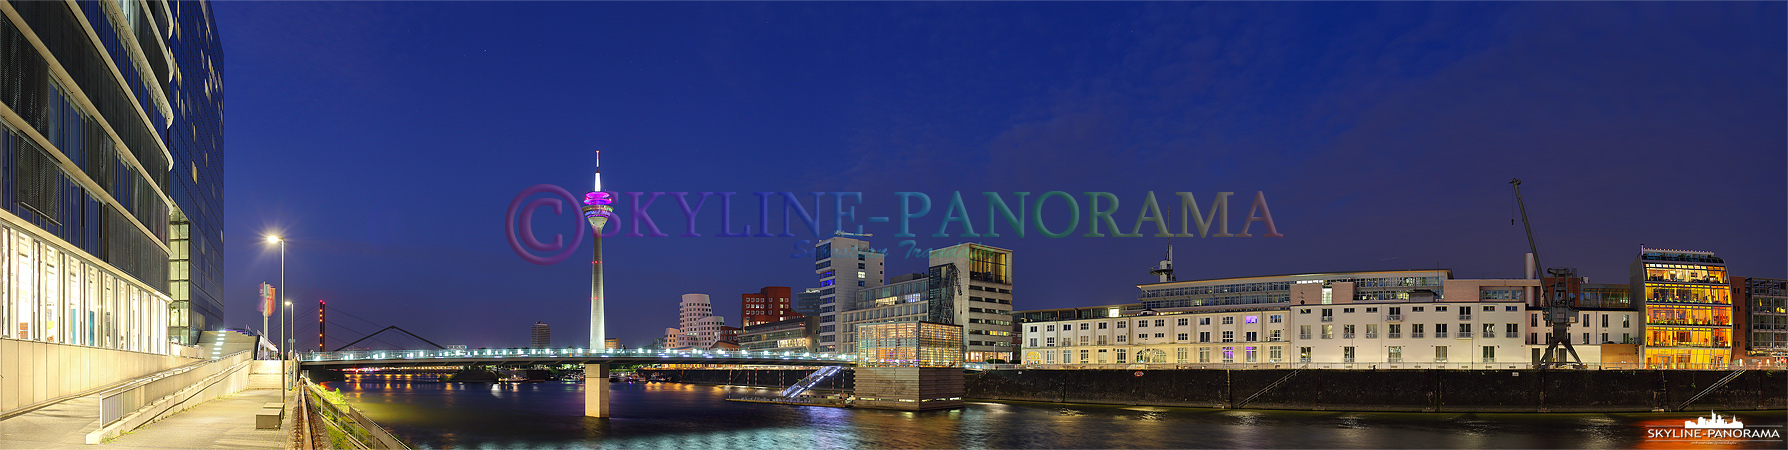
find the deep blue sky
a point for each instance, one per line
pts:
(387, 139)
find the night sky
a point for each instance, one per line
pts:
(386, 141)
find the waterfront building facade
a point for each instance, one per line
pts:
(790, 335)
(1606, 329)
(1760, 327)
(1687, 305)
(770, 304)
(1385, 319)
(844, 265)
(970, 285)
(112, 143)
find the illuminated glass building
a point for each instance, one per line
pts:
(111, 177)
(1687, 308)
(1761, 322)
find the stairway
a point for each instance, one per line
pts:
(812, 379)
(1710, 388)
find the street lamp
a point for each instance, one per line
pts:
(286, 308)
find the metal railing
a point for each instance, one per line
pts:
(118, 402)
(1393, 317)
(354, 429)
(499, 353)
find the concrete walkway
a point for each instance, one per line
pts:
(227, 422)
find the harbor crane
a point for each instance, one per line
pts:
(1557, 298)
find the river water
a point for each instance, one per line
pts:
(431, 414)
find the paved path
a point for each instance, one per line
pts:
(227, 422)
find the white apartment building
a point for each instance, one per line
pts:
(697, 326)
(1477, 323)
(1396, 319)
(1150, 337)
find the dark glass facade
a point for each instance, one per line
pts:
(110, 171)
(195, 139)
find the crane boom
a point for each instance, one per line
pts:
(1531, 246)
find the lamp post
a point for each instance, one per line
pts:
(285, 308)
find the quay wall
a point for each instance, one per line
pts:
(768, 378)
(1390, 390)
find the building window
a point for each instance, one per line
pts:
(1273, 354)
(1440, 353)
(1228, 320)
(1142, 324)
(1101, 359)
(1415, 309)
(1102, 325)
(1303, 332)
(1121, 337)
(1347, 310)
(1049, 357)
(1160, 322)
(1328, 331)
(1083, 339)
(1489, 330)
(1182, 322)
(1050, 328)
(1346, 331)
(1533, 320)
(1228, 354)
(1102, 339)
(1371, 310)
(1604, 320)
(1371, 331)
(1394, 331)
(1303, 354)
(1121, 356)
(1179, 355)
(1440, 330)
(1346, 354)
(1204, 336)
(1252, 336)
(1604, 336)
(1275, 318)
(1328, 314)
(1083, 356)
(1489, 354)
(1204, 321)
(1182, 337)
(1249, 354)
(1034, 342)
(1415, 331)
(1511, 330)
(1160, 335)
(1394, 354)
(1228, 336)
(1626, 321)
(1277, 335)
(1585, 338)
(1204, 354)
(1440, 309)
(1122, 324)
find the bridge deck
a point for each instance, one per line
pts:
(509, 357)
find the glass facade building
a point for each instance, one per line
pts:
(109, 107)
(1687, 308)
(912, 344)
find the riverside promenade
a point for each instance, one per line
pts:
(227, 423)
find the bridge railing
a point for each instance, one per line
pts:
(534, 353)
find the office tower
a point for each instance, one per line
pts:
(541, 336)
(845, 265)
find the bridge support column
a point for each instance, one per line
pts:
(596, 390)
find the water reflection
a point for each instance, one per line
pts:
(681, 416)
